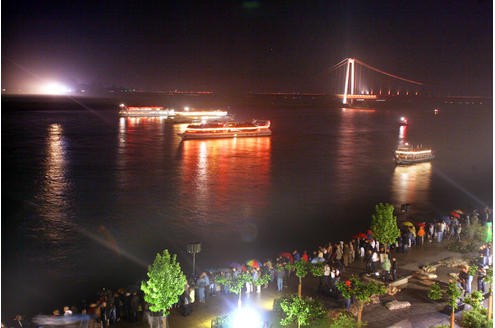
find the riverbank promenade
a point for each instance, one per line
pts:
(422, 313)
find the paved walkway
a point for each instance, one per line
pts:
(423, 313)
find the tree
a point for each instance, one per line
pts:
(165, 283)
(235, 283)
(454, 294)
(489, 280)
(302, 269)
(384, 224)
(360, 291)
(435, 292)
(301, 310)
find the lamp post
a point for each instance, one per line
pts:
(194, 248)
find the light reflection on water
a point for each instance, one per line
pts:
(53, 204)
(218, 177)
(411, 184)
(352, 149)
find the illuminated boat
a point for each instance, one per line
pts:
(143, 111)
(406, 154)
(403, 121)
(197, 115)
(185, 116)
(227, 130)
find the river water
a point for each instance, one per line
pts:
(89, 198)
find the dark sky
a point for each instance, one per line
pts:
(245, 45)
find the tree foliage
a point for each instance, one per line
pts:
(454, 294)
(360, 291)
(235, 282)
(384, 224)
(165, 282)
(301, 310)
(435, 292)
(302, 269)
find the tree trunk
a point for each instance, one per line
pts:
(299, 288)
(360, 314)
(452, 318)
(164, 321)
(239, 300)
(490, 304)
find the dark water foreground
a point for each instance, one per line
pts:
(88, 198)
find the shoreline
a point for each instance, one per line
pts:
(411, 263)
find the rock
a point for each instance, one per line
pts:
(375, 299)
(396, 305)
(392, 290)
(426, 275)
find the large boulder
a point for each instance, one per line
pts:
(397, 305)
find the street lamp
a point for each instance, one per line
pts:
(194, 248)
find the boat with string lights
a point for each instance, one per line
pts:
(255, 128)
(185, 116)
(406, 154)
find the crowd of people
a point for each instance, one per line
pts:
(129, 305)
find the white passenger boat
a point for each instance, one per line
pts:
(406, 154)
(185, 116)
(254, 128)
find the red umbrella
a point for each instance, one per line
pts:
(288, 256)
(455, 214)
(421, 224)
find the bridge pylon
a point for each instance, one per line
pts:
(349, 74)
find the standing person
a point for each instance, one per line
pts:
(431, 232)
(386, 266)
(185, 302)
(280, 273)
(463, 278)
(104, 318)
(481, 279)
(17, 322)
(375, 259)
(393, 269)
(201, 283)
(420, 236)
(346, 254)
(134, 306)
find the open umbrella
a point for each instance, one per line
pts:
(459, 211)
(407, 224)
(287, 256)
(455, 214)
(360, 235)
(253, 263)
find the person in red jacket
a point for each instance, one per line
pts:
(305, 256)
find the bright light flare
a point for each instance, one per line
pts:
(246, 318)
(54, 88)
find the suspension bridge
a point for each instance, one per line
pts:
(353, 79)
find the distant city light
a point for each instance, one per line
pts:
(54, 88)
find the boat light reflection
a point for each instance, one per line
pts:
(410, 184)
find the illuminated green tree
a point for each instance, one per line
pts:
(384, 224)
(302, 269)
(165, 283)
(300, 310)
(360, 291)
(235, 283)
(454, 293)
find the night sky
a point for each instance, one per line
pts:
(226, 46)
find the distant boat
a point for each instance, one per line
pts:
(406, 154)
(403, 121)
(227, 130)
(185, 116)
